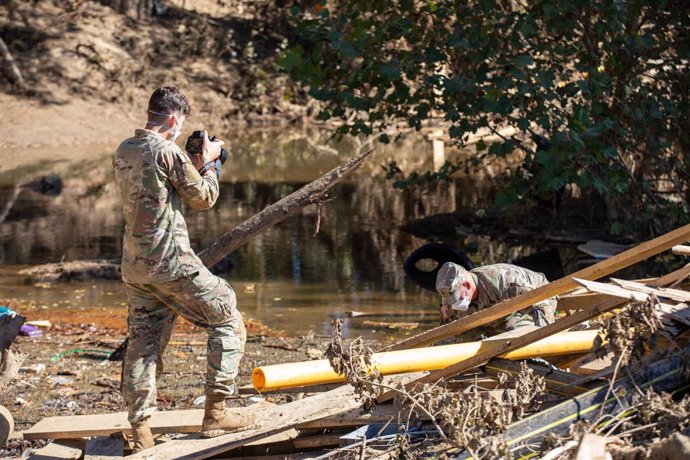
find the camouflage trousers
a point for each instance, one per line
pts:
(202, 299)
(538, 315)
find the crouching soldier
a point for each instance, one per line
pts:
(465, 292)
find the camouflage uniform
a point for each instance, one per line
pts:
(163, 276)
(499, 282)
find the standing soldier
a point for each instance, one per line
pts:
(163, 276)
(464, 292)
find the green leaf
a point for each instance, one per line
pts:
(523, 60)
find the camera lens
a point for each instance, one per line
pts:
(223, 156)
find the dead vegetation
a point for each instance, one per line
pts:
(642, 413)
(471, 419)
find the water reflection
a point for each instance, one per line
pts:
(288, 276)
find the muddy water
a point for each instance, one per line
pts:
(290, 277)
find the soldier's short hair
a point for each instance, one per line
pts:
(168, 100)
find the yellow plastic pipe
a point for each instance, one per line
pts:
(292, 375)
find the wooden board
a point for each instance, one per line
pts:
(614, 291)
(58, 450)
(80, 426)
(580, 301)
(679, 312)
(673, 294)
(381, 414)
(270, 420)
(593, 364)
(314, 442)
(681, 250)
(502, 309)
(672, 278)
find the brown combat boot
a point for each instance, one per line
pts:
(220, 420)
(142, 438)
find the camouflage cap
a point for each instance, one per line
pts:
(448, 282)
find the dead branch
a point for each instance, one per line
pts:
(10, 362)
(14, 70)
(309, 194)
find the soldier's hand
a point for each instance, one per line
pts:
(210, 151)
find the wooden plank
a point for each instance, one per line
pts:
(315, 442)
(556, 381)
(58, 450)
(580, 301)
(494, 348)
(672, 278)
(84, 426)
(592, 447)
(614, 291)
(382, 414)
(502, 309)
(104, 448)
(283, 436)
(681, 250)
(270, 420)
(593, 363)
(673, 294)
(679, 312)
(79, 426)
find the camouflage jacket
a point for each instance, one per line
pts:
(153, 174)
(499, 282)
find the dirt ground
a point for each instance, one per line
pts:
(66, 371)
(89, 71)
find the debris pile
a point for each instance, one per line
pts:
(625, 398)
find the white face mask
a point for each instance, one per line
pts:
(177, 128)
(462, 304)
(177, 132)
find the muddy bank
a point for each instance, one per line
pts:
(89, 70)
(66, 371)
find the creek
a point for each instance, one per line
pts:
(289, 277)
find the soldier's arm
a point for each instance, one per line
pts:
(199, 192)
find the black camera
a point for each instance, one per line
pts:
(195, 144)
